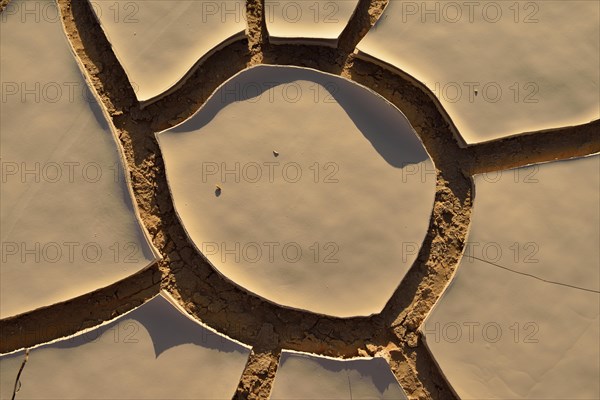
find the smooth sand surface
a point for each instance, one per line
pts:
(158, 42)
(68, 223)
(497, 333)
(153, 352)
(332, 222)
(314, 21)
(308, 376)
(534, 64)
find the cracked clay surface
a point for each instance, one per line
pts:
(221, 304)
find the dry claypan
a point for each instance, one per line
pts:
(495, 67)
(313, 227)
(68, 220)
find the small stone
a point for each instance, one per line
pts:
(362, 353)
(412, 340)
(371, 348)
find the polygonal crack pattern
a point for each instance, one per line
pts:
(390, 337)
(303, 188)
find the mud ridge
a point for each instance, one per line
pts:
(86, 311)
(223, 305)
(258, 376)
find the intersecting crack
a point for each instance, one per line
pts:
(220, 303)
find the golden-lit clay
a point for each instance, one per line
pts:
(333, 221)
(521, 316)
(498, 68)
(306, 376)
(314, 21)
(69, 225)
(152, 352)
(159, 42)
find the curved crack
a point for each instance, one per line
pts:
(532, 276)
(207, 295)
(220, 303)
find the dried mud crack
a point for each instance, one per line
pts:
(257, 378)
(220, 303)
